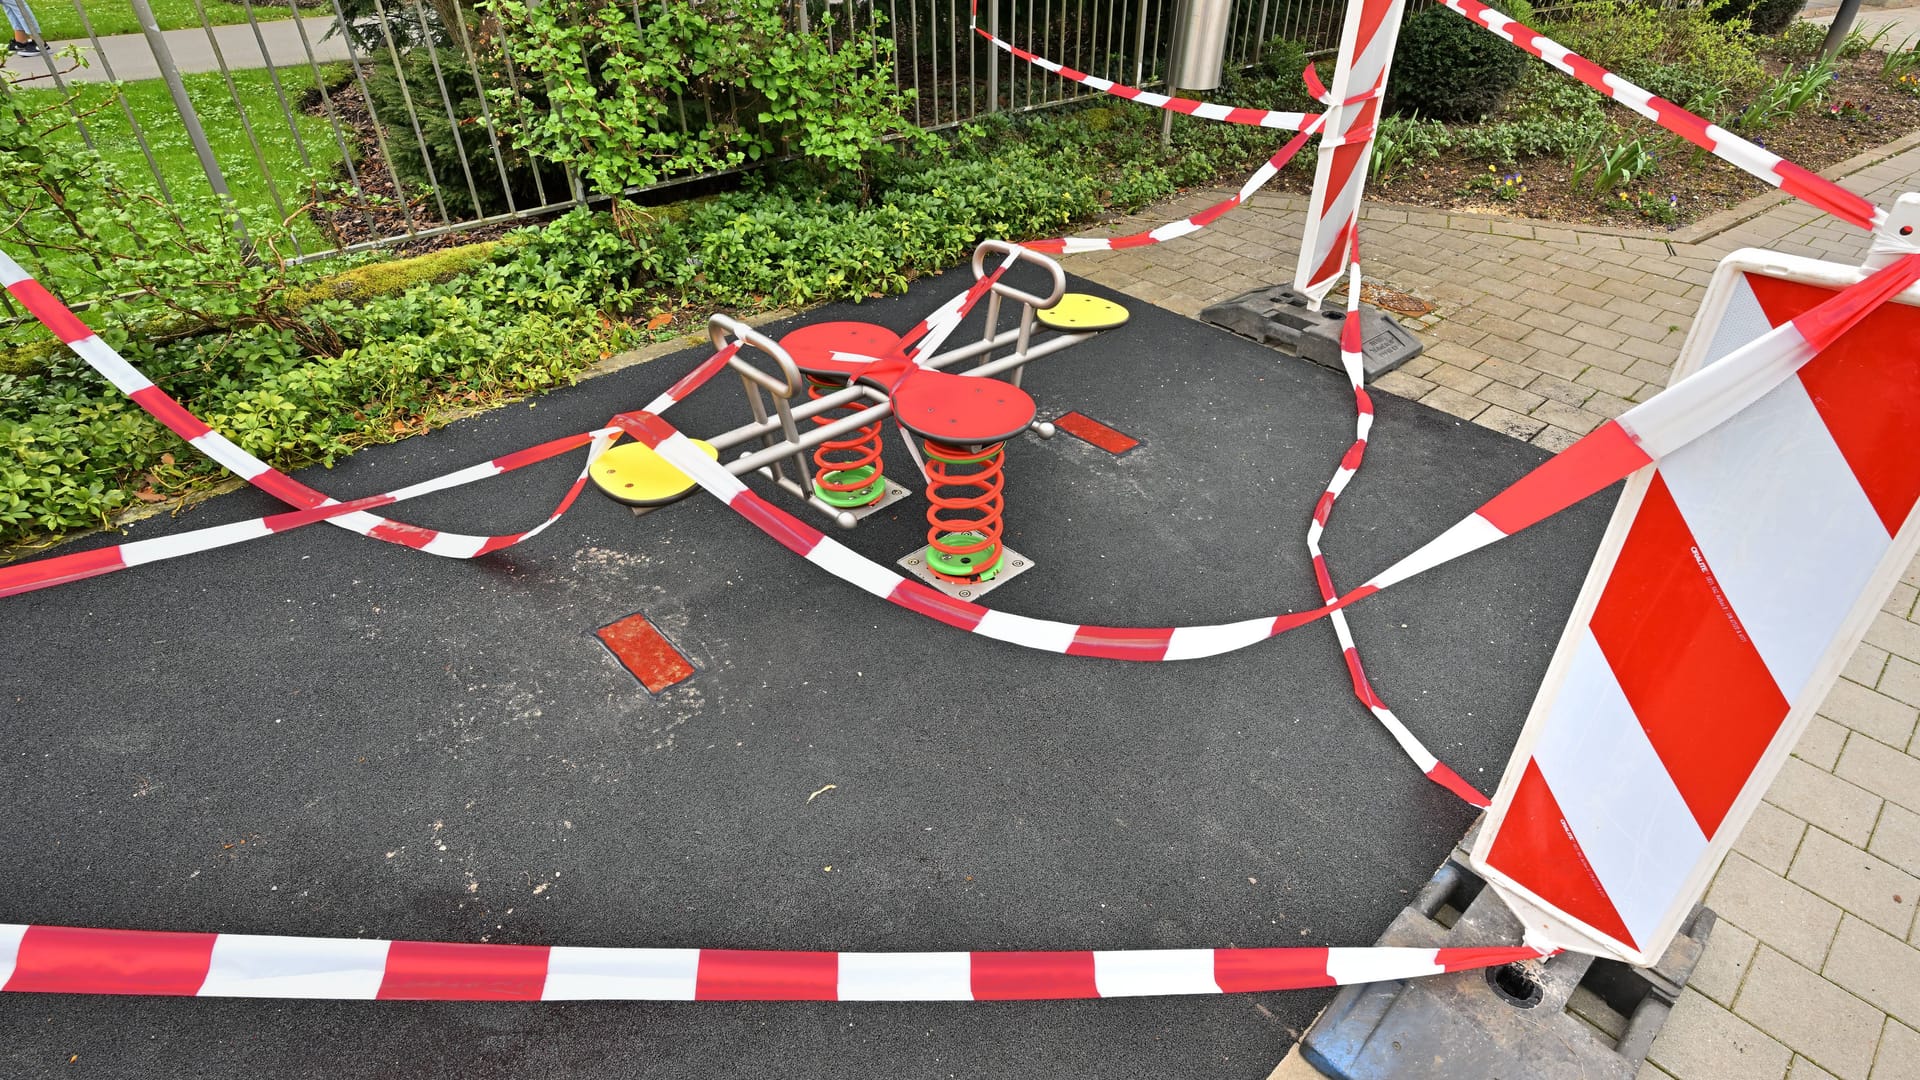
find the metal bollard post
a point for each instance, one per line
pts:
(190, 119)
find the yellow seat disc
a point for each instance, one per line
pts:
(1080, 312)
(634, 474)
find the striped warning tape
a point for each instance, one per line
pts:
(1723, 144)
(55, 316)
(76, 960)
(1070, 245)
(1351, 360)
(314, 506)
(1367, 36)
(1266, 118)
(1609, 453)
(59, 569)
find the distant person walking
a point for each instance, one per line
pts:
(25, 41)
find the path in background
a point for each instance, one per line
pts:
(1545, 331)
(131, 58)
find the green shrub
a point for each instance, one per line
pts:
(1801, 41)
(697, 86)
(1404, 140)
(1763, 17)
(1645, 44)
(431, 156)
(1446, 68)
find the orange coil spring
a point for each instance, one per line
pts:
(832, 456)
(979, 492)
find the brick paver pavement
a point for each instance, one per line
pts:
(1541, 333)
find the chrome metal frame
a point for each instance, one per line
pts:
(783, 446)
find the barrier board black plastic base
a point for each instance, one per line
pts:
(1276, 315)
(1571, 1017)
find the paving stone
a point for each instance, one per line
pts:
(1605, 404)
(1504, 371)
(1778, 912)
(1507, 397)
(1878, 967)
(1565, 391)
(1649, 1071)
(1598, 335)
(1896, 635)
(1509, 423)
(1862, 884)
(1881, 770)
(1724, 962)
(1870, 712)
(1611, 382)
(1566, 416)
(1866, 664)
(1843, 809)
(1555, 439)
(1449, 400)
(1820, 744)
(1703, 1041)
(1457, 378)
(1420, 365)
(1802, 1069)
(1896, 838)
(1899, 1057)
(1900, 601)
(1795, 1006)
(1556, 364)
(1771, 837)
(1900, 679)
(1403, 384)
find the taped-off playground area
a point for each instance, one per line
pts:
(952, 759)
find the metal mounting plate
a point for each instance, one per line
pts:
(1014, 564)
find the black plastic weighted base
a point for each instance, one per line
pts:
(1278, 316)
(1571, 1017)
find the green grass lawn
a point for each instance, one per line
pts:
(59, 21)
(174, 154)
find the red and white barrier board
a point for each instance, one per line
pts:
(1739, 573)
(1353, 109)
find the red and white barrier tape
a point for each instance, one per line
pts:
(1350, 358)
(1070, 245)
(314, 506)
(1610, 453)
(60, 569)
(75, 960)
(1266, 118)
(1755, 160)
(1367, 36)
(56, 317)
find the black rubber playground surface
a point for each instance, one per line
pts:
(320, 734)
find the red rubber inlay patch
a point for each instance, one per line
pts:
(1087, 429)
(646, 652)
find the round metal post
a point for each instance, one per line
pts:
(1837, 33)
(189, 119)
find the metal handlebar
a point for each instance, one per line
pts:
(720, 327)
(1026, 254)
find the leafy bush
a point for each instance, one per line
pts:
(1801, 41)
(1764, 17)
(698, 86)
(1403, 140)
(450, 150)
(1680, 48)
(1549, 114)
(1446, 68)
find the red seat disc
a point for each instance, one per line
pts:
(812, 347)
(959, 410)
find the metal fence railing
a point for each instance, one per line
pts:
(388, 98)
